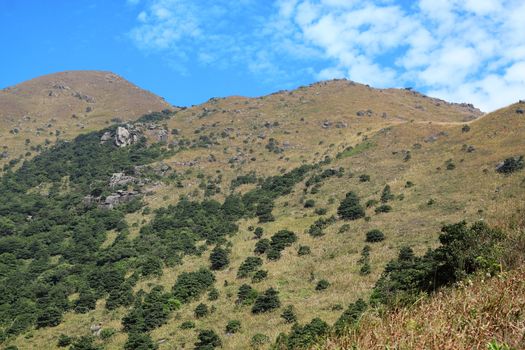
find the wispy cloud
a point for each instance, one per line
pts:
(460, 50)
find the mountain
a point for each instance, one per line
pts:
(244, 205)
(63, 105)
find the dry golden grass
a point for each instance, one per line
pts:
(469, 316)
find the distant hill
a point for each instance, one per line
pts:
(65, 104)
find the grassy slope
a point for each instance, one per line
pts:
(39, 107)
(465, 192)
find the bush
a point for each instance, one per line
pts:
(85, 343)
(309, 203)
(322, 285)
(385, 208)
(258, 232)
(107, 333)
(233, 326)
(386, 195)
(85, 302)
(289, 315)
(219, 258)
(266, 302)
(350, 209)
(187, 325)
(262, 246)
(273, 254)
(213, 294)
(201, 311)
(259, 276)
(510, 165)
(49, 317)
(320, 211)
(208, 339)
(283, 239)
(350, 317)
(249, 265)
(64, 340)
(190, 285)
(375, 235)
(259, 340)
(246, 295)
(303, 250)
(140, 341)
(303, 337)
(463, 250)
(364, 178)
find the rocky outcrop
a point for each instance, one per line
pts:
(123, 136)
(121, 179)
(111, 201)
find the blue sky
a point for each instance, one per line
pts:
(191, 50)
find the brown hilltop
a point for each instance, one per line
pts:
(71, 102)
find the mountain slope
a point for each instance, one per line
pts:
(438, 159)
(64, 104)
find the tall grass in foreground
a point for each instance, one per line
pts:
(480, 312)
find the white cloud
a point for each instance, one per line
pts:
(460, 50)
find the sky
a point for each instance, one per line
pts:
(188, 51)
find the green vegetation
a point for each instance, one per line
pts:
(352, 151)
(350, 208)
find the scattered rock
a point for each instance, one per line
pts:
(120, 179)
(105, 137)
(4, 155)
(125, 137)
(520, 111)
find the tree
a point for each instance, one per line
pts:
(374, 236)
(246, 295)
(190, 285)
(208, 339)
(262, 246)
(233, 326)
(322, 285)
(201, 310)
(289, 315)
(386, 195)
(49, 317)
(266, 302)
(264, 210)
(219, 258)
(350, 208)
(140, 341)
(85, 302)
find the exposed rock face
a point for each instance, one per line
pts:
(123, 137)
(121, 179)
(111, 201)
(106, 137)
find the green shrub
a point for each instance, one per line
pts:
(273, 254)
(190, 285)
(266, 302)
(262, 246)
(374, 236)
(364, 178)
(246, 295)
(107, 333)
(463, 250)
(258, 232)
(201, 310)
(213, 294)
(187, 325)
(207, 340)
(322, 285)
(85, 343)
(233, 326)
(289, 315)
(350, 208)
(386, 195)
(303, 250)
(64, 340)
(510, 165)
(320, 211)
(303, 337)
(259, 276)
(219, 258)
(385, 208)
(350, 317)
(259, 340)
(249, 265)
(309, 203)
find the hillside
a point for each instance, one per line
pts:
(207, 176)
(63, 105)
